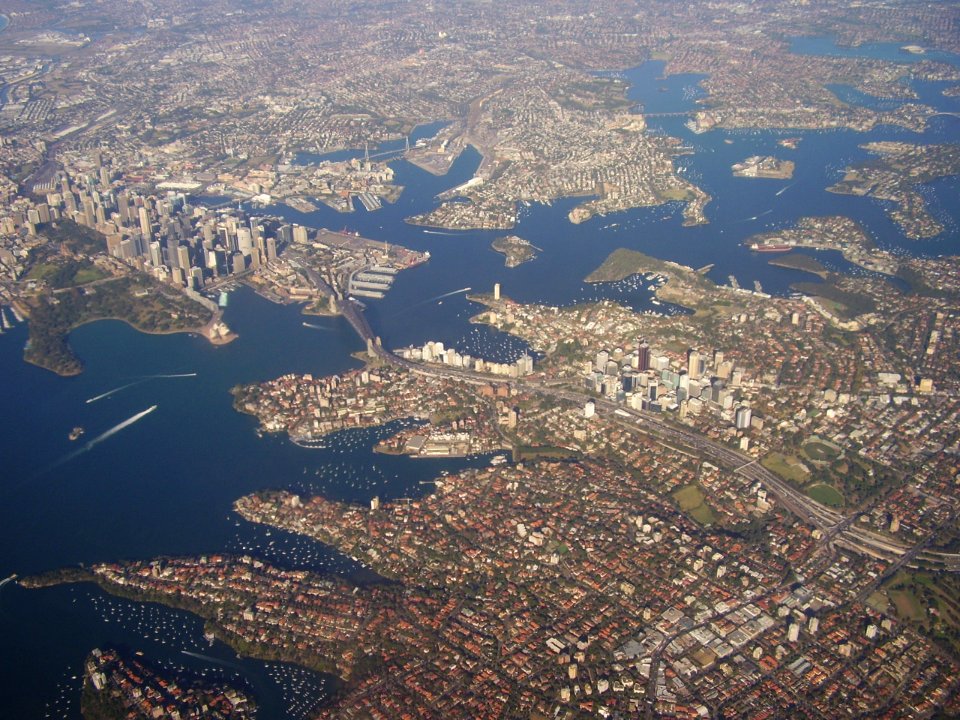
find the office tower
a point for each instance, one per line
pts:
(156, 259)
(183, 257)
(244, 240)
(600, 361)
(144, 215)
(123, 206)
(694, 364)
(743, 417)
(643, 357)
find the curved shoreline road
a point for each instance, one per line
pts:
(836, 527)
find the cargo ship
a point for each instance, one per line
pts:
(756, 247)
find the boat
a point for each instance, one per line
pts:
(76, 433)
(756, 247)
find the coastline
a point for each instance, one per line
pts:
(201, 331)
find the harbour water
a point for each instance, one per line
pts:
(164, 484)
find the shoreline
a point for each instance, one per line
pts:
(201, 331)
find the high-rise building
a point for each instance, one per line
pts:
(600, 361)
(743, 417)
(123, 206)
(244, 240)
(526, 364)
(793, 632)
(183, 257)
(694, 364)
(300, 234)
(643, 356)
(144, 215)
(156, 259)
(496, 291)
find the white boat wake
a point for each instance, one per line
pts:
(117, 428)
(218, 661)
(108, 393)
(430, 300)
(100, 438)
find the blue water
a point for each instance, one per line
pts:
(165, 485)
(826, 45)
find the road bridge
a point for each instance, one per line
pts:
(836, 528)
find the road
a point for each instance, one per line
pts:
(835, 527)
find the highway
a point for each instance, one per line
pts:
(834, 526)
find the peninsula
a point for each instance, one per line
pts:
(896, 176)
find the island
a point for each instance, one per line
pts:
(764, 166)
(515, 249)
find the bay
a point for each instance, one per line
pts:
(165, 484)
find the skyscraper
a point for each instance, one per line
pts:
(695, 364)
(743, 417)
(643, 356)
(144, 216)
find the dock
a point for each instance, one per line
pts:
(373, 281)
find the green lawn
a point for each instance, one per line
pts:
(88, 275)
(41, 271)
(826, 494)
(785, 467)
(908, 607)
(819, 452)
(691, 501)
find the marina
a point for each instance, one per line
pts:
(94, 509)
